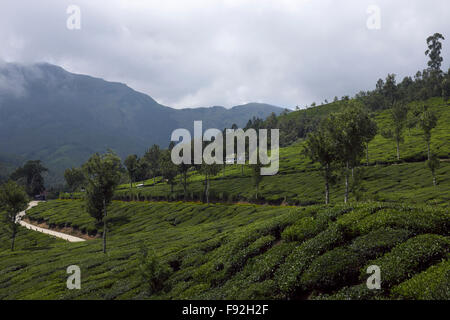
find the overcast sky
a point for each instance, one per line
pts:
(191, 53)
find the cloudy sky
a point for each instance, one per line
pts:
(194, 53)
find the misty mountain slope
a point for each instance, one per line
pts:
(62, 118)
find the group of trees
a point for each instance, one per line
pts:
(430, 82)
(31, 177)
(25, 182)
(339, 144)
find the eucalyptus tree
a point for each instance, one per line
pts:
(13, 200)
(398, 116)
(132, 165)
(352, 130)
(75, 178)
(153, 157)
(32, 174)
(426, 120)
(433, 164)
(103, 173)
(434, 51)
(320, 147)
(168, 169)
(434, 83)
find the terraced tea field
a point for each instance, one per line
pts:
(221, 251)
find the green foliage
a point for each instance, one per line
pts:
(75, 178)
(398, 114)
(296, 263)
(132, 165)
(304, 229)
(103, 175)
(332, 270)
(378, 242)
(153, 273)
(356, 292)
(434, 51)
(432, 284)
(411, 257)
(219, 251)
(31, 174)
(13, 200)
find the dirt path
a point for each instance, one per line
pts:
(42, 230)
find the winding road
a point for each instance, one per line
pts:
(43, 230)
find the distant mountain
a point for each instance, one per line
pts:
(62, 118)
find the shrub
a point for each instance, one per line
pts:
(378, 242)
(434, 283)
(356, 292)
(409, 258)
(153, 273)
(419, 221)
(288, 273)
(332, 270)
(304, 229)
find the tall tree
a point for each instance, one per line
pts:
(398, 115)
(75, 178)
(132, 165)
(103, 175)
(184, 169)
(256, 174)
(434, 51)
(31, 173)
(351, 132)
(426, 120)
(320, 147)
(433, 164)
(168, 169)
(13, 200)
(390, 90)
(208, 170)
(446, 86)
(153, 156)
(369, 130)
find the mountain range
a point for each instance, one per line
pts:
(62, 118)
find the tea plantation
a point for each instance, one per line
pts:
(299, 182)
(284, 245)
(235, 251)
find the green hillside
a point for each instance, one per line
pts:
(62, 118)
(299, 181)
(237, 252)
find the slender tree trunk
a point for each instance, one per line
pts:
(224, 170)
(434, 179)
(346, 183)
(428, 149)
(206, 188)
(13, 238)
(398, 150)
(367, 153)
(242, 169)
(104, 226)
(327, 184)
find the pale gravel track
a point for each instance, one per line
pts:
(43, 230)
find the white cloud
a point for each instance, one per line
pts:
(211, 52)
